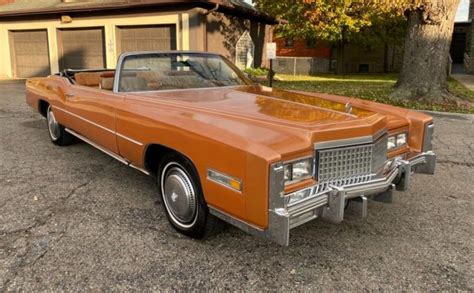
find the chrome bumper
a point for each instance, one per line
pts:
(330, 203)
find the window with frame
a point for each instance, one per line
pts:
(289, 43)
(311, 43)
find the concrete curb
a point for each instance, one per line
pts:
(12, 81)
(449, 115)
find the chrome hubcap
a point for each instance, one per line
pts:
(53, 125)
(179, 195)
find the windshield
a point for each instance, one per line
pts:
(170, 71)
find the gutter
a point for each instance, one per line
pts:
(218, 5)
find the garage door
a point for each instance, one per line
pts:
(30, 53)
(81, 48)
(147, 38)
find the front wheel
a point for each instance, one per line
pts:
(182, 197)
(57, 132)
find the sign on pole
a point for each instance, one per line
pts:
(271, 51)
(271, 54)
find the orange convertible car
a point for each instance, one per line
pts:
(219, 146)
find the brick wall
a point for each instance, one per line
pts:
(300, 48)
(376, 59)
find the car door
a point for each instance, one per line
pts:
(91, 113)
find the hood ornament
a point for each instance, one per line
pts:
(348, 108)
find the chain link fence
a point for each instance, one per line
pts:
(301, 65)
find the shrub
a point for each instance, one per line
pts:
(256, 71)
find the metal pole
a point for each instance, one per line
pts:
(271, 73)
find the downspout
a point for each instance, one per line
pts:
(212, 10)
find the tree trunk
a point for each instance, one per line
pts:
(427, 43)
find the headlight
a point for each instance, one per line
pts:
(401, 139)
(298, 170)
(392, 142)
(397, 140)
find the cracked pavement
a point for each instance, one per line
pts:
(74, 219)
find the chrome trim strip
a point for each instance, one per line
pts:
(428, 137)
(106, 151)
(98, 125)
(84, 119)
(354, 141)
(246, 227)
(139, 169)
(298, 159)
(187, 89)
(129, 139)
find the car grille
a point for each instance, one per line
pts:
(348, 165)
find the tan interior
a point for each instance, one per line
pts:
(100, 79)
(143, 80)
(173, 80)
(107, 83)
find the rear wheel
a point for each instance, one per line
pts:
(183, 199)
(57, 132)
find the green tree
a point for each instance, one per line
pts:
(428, 25)
(338, 22)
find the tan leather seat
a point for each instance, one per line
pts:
(107, 83)
(87, 78)
(91, 79)
(133, 84)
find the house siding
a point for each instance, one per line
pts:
(195, 30)
(224, 31)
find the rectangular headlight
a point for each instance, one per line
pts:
(391, 143)
(397, 140)
(298, 170)
(401, 139)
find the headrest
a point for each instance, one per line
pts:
(92, 78)
(108, 74)
(87, 78)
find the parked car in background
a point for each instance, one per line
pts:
(219, 146)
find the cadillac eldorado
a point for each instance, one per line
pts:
(221, 147)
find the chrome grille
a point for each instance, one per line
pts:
(344, 162)
(342, 166)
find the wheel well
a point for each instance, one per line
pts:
(43, 107)
(153, 155)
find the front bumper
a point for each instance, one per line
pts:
(330, 203)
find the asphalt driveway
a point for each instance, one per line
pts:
(74, 219)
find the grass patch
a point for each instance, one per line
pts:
(459, 90)
(370, 87)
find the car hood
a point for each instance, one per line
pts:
(255, 117)
(263, 104)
